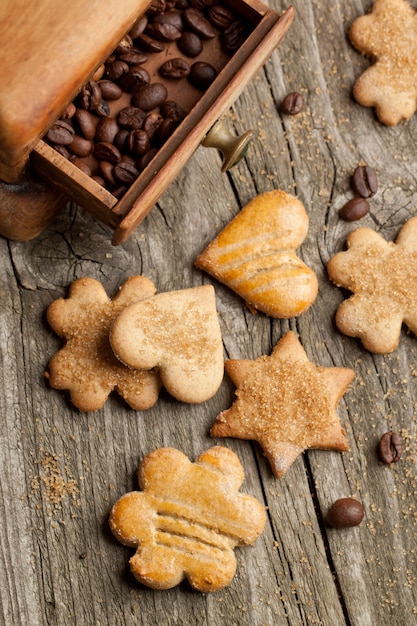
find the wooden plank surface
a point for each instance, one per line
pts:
(61, 470)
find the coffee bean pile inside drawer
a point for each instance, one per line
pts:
(145, 89)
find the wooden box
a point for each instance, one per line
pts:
(58, 51)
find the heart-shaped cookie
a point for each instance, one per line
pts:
(179, 333)
(255, 256)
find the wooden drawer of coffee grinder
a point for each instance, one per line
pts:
(235, 51)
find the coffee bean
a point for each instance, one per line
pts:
(174, 68)
(61, 133)
(169, 17)
(234, 35)
(136, 76)
(354, 209)
(202, 74)
(364, 181)
(105, 169)
(292, 104)
(390, 448)
(139, 27)
(106, 129)
(163, 32)
(121, 139)
(110, 90)
(344, 513)
(196, 21)
(62, 151)
(86, 123)
(125, 172)
(146, 158)
(80, 146)
(220, 16)
(172, 109)
(68, 112)
(202, 5)
(165, 130)
(148, 97)
(151, 123)
(82, 165)
(90, 96)
(131, 118)
(190, 44)
(133, 56)
(105, 151)
(149, 44)
(116, 69)
(138, 142)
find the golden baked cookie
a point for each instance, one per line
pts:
(86, 365)
(255, 255)
(187, 519)
(382, 275)
(177, 332)
(388, 35)
(285, 403)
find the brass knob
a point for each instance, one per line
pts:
(232, 147)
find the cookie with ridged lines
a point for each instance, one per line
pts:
(255, 256)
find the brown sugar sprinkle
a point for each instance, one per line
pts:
(291, 404)
(397, 277)
(57, 486)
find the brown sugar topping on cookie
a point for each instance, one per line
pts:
(382, 276)
(286, 403)
(388, 34)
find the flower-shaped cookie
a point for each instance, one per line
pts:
(382, 276)
(187, 519)
(86, 365)
(286, 403)
(389, 36)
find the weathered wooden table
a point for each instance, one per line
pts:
(62, 470)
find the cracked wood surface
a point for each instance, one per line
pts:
(61, 470)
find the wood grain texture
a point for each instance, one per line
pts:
(61, 471)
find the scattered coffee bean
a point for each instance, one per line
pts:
(69, 111)
(190, 44)
(115, 69)
(106, 172)
(174, 68)
(146, 158)
(202, 74)
(390, 448)
(139, 27)
(172, 109)
(138, 142)
(345, 513)
(133, 56)
(354, 209)
(149, 44)
(292, 104)
(90, 96)
(364, 181)
(151, 122)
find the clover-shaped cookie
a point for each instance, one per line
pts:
(179, 333)
(286, 403)
(187, 519)
(86, 365)
(382, 276)
(389, 36)
(255, 255)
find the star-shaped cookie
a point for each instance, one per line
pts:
(86, 366)
(286, 403)
(389, 36)
(382, 275)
